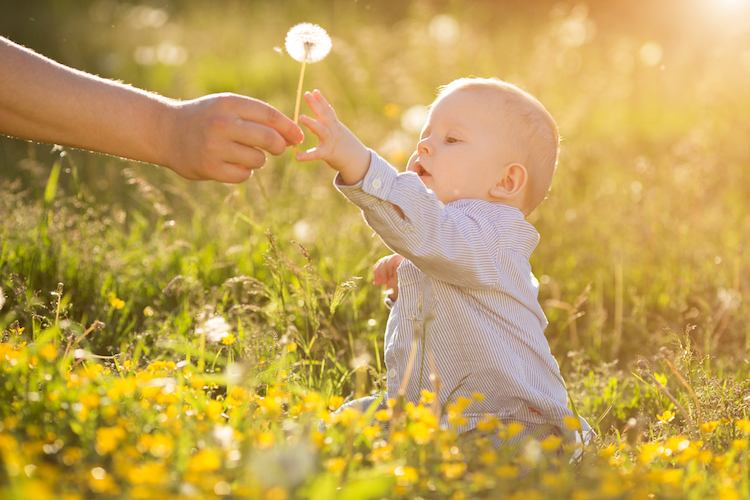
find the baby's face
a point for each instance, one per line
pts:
(461, 147)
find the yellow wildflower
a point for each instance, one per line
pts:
(739, 444)
(551, 443)
(743, 425)
(229, 339)
(371, 431)
(453, 470)
(572, 423)
(108, 439)
(709, 427)
(336, 464)
(421, 433)
(507, 471)
(291, 347)
(277, 493)
(666, 417)
(266, 439)
(115, 302)
(405, 475)
(511, 430)
(427, 396)
(204, 460)
(728, 493)
(478, 397)
(48, 352)
(334, 402)
(383, 415)
(214, 409)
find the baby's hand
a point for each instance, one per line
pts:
(384, 273)
(337, 146)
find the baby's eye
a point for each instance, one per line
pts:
(451, 140)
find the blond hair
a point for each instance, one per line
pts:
(532, 133)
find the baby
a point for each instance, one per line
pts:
(461, 279)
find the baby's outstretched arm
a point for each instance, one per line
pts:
(337, 146)
(384, 273)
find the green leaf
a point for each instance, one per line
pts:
(54, 175)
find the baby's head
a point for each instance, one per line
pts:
(487, 139)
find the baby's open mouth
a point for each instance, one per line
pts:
(421, 171)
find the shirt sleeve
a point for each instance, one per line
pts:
(446, 244)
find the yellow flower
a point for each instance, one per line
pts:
(214, 409)
(371, 431)
(421, 433)
(427, 396)
(291, 347)
(478, 397)
(728, 493)
(48, 352)
(572, 423)
(277, 493)
(739, 444)
(229, 339)
(115, 302)
(336, 464)
(743, 425)
(383, 415)
(108, 439)
(511, 430)
(551, 443)
(453, 470)
(666, 417)
(203, 461)
(90, 401)
(405, 475)
(266, 439)
(709, 427)
(334, 402)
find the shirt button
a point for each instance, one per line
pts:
(392, 373)
(376, 184)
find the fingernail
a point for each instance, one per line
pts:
(301, 136)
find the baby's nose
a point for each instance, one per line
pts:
(424, 147)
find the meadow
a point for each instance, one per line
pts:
(163, 338)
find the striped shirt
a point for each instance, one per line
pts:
(467, 292)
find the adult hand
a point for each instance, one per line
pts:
(223, 136)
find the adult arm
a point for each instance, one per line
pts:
(217, 137)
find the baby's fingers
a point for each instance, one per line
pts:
(320, 107)
(316, 127)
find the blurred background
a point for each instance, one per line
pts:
(644, 232)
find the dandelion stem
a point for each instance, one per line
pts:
(299, 96)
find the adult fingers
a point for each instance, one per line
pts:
(254, 135)
(258, 112)
(230, 173)
(244, 156)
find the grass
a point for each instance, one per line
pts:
(110, 385)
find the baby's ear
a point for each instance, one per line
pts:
(511, 182)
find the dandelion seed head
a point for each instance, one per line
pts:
(307, 43)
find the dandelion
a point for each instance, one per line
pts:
(228, 340)
(306, 43)
(215, 329)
